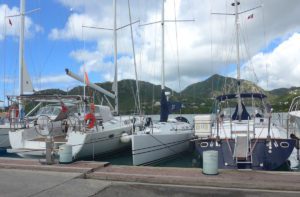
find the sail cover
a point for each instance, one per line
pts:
(164, 107)
(27, 84)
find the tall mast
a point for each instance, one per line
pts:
(236, 4)
(163, 46)
(115, 58)
(21, 48)
(134, 61)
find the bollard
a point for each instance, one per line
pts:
(65, 154)
(210, 162)
(49, 150)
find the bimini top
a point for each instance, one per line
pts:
(243, 95)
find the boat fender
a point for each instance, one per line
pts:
(125, 138)
(90, 120)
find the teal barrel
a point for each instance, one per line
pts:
(65, 153)
(210, 162)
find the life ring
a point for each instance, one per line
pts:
(90, 120)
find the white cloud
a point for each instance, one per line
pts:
(13, 30)
(279, 68)
(205, 46)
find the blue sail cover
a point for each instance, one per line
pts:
(164, 107)
(243, 95)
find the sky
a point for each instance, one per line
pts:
(55, 40)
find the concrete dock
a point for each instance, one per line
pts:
(23, 177)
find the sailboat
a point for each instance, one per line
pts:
(166, 138)
(14, 119)
(293, 126)
(241, 128)
(89, 129)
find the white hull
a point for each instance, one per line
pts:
(164, 140)
(4, 130)
(97, 143)
(4, 140)
(27, 143)
(150, 148)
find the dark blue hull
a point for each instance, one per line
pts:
(265, 155)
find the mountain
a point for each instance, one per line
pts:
(216, 85)
(149, 93)
(282, 98)
(196, 98)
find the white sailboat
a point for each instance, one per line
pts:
(14, 119)
(89, 129)
(166, 138)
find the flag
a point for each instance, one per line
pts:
(86, 78)
(9, 21)
(250, 16)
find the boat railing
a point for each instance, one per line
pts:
(16, 123)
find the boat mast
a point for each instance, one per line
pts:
(134, 61)
(21, 48)
(236, 4)
(163, 46)
(115, 58)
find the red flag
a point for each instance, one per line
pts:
(87, 82)
(250, 16)
(9, 21)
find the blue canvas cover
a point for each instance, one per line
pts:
(164, 108)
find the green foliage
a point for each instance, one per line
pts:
(196, 98)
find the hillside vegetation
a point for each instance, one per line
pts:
(196, 98)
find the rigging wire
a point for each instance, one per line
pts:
(154, 71)
(4, 58)
(211, 49)
(177, 50)
(265, 38)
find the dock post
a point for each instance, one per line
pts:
(49, 150)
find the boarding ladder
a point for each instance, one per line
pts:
(241, 150)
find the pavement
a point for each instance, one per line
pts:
(24, 178)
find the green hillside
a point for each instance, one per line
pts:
(196, 98)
